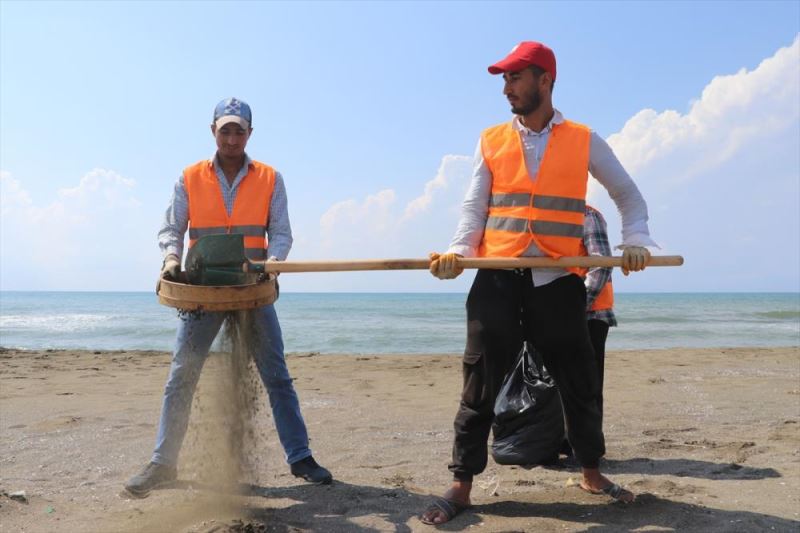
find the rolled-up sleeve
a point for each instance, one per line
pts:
(279, 230)
(474, 210)
(606, 169)
(176, 221)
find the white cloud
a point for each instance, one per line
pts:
(74, 240)
(381, 225)
(453, 168)
(349, 217)
(378, 224)
(719, 174)
(12, 195)
(732, 111)
(103, 189)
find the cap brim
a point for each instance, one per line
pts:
(227, 119)
(507, 65)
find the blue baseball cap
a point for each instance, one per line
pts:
(233, 110)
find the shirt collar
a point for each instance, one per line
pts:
(214, 161)
(558, 118)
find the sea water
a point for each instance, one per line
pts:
(370, 323)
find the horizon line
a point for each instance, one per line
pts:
(797, 291)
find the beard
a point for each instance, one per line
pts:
(528, 104)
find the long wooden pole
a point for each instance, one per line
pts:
(483, 262)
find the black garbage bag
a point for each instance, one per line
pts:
(528, 422)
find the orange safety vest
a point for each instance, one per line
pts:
(549, 210)
(207, 213)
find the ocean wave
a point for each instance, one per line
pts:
(779, 315)
(391, 323)
(73, 322)
(655, 319)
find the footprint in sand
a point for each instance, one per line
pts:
(788, 430)
(54, 424)
(666, 487)
(666, 431)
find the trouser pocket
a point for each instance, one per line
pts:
(473, 379)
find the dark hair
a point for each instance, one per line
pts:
(538, 71)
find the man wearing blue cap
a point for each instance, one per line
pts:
(205, 195)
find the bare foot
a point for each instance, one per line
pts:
(458, 498)
(596, 483)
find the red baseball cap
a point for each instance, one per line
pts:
(524, 55)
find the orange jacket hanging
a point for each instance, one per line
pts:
(604, 299)
(207, 213)
(549, 210)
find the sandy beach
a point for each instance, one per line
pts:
(709, 439)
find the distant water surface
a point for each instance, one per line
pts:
(363, 323)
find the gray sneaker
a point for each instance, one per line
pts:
(152, 476)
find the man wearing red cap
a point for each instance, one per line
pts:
(527, 198)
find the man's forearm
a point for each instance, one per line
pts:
(176, 221)
(474, 210)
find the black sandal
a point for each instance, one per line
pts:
(449, 508)
(617, 492)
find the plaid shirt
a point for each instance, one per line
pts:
(595, 238)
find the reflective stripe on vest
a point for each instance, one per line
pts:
(540, 202)
(520, 225)
(547, 211)
(207, 213)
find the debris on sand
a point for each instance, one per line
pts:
(18, 496)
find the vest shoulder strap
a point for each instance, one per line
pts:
(576, 125)
(262, 166)
(196, 169)
(493, 137)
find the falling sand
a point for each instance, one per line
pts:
(218, 463)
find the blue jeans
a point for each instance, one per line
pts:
(194, 339)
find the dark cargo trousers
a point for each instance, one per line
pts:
(503, 309)
(598, 333)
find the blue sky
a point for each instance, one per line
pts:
(371, 111)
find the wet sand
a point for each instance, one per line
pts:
(709, 439)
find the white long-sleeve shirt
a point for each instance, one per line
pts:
(604, 167)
